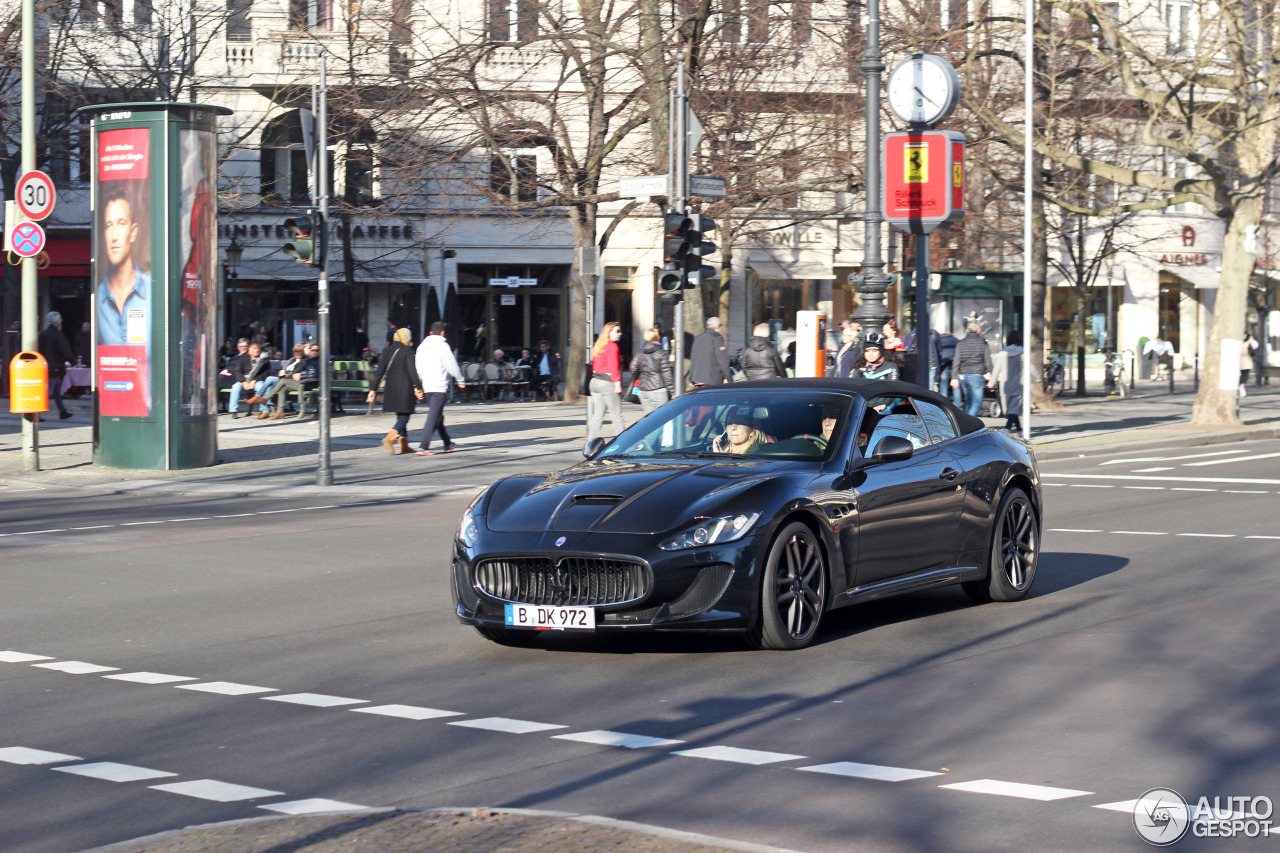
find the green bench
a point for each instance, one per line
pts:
(349, 377)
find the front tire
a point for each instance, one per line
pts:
(1015, 550)
(793, 591)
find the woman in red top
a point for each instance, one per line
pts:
(606, 382)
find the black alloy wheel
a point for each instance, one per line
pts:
(1015, 549)
(793, 592)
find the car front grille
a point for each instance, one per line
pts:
(563, 581)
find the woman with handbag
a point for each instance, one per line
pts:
(651, 371)
(401, 388)
(606, 382)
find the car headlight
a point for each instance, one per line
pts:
(468, 530)
(713, 531)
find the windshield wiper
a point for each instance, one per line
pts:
(699, 454)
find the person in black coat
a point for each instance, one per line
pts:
(709, 357)
(402, 391)
(760, 359)
(652, 369)
(56, 349)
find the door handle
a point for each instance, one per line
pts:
(949, 474)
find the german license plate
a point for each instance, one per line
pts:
(546, 616)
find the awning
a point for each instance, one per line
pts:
(791, 270)
(1199, 277)
(67, 256)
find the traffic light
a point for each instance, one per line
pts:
(699, 228)
(677, 240)
(308, 244)
(668, 280)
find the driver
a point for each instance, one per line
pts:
(741, 434)
(830, 416)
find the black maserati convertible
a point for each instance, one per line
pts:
(754, 508)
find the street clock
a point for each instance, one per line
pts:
(923, 90)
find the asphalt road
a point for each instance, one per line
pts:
(1148, 655)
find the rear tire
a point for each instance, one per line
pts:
(1015, 550)
(793, 591)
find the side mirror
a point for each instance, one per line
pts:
(893, 448)
(593, 448)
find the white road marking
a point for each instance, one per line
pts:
(407, 712)
(1149, 488)
(315, 805)
(197, 518)
(92, 527)
(26, 755)
(1237, 480)
(1153, 470)
(1185, 489)
(149, 677)
(607, 738)
(235, 515)
(316, 700)
(226, 688)
(219, 792)
(21, 657)
(326, 506)
(1071, 530)
(76, 667)
(1172, 458)
(1141, 532)
(111, 772)
(869, 771)
(139, 523)
(1245, 491)
(1209, 535)
(1090, 486)
(1232, 459)
(503, 724)
(1016, 789)
(34, 532)
(276, 511)
(738, 756)
(1262, 537)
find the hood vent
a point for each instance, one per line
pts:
(597, 500)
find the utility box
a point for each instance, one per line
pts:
(155, 246)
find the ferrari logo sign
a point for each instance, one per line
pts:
(916, 163)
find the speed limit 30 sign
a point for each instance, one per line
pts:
(36, 195)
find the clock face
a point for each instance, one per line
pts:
(922, 90)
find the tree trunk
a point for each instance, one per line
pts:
(1214, 405)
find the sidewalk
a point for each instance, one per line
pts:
(436, 830)
(279, 458)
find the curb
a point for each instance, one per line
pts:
(692, 838)
(1049, 453)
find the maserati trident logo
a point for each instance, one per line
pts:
(560, 541)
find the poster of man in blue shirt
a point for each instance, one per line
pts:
(124, 313)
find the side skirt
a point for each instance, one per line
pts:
(909, 583)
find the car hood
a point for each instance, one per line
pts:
(623, 497)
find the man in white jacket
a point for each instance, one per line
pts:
(435, 363)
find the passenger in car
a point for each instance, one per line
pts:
(741, 435)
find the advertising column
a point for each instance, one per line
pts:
(154, 272)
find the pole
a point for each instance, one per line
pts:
(924, 342)
(30, 314)
(1028, 237)
(872, 283)
(680, 204)
(324, 473)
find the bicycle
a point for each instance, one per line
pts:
(1054, 376)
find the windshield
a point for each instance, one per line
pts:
(756, 424)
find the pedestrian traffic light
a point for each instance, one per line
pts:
(308, 243)
(700, 248)
(677, 240)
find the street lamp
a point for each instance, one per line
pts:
(234, 253)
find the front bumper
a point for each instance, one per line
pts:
(711, 589)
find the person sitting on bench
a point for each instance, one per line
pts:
(302, 369)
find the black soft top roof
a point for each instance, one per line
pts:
(864, 388)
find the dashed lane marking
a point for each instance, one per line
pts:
(1188, 489)
(1173, 458)
(315, 805)
(219, 792)
(1231, 460)
(1153, 470)
(622, 739)
(149, 677)
(1141, 532)
(226, 688)
(315, 700)
(869, 771)
(26, 755)
(1234, 480)
(1016, 789)
(76, 667)
(21, 657)
(1159, 533)
(1072, 530)
(504, 724)
(110, 771)
(407, 712)
(738, 756)
(1262, 537)
(1209, 535)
